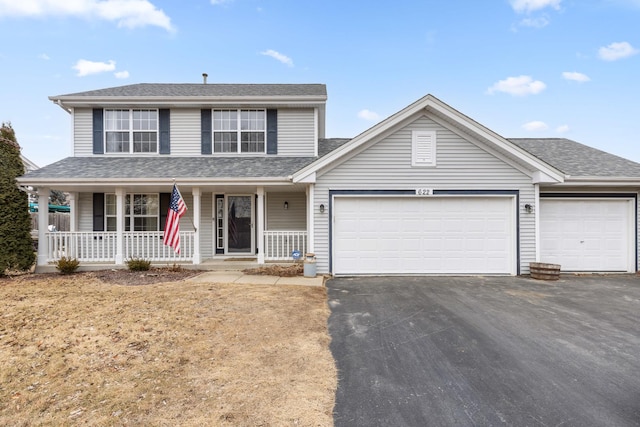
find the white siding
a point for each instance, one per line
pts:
(296, 132)
(461, 165)
(83, 132)
(294, 218)
(185, 132)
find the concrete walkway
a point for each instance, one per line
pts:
(240, 277)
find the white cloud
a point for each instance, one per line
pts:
(86, 68)
(127, 13)
(121, 74)
(368, 115)
(535, 126)
(526, 6)
(518, 86)
(575, 76)
(44, 56)
(616, 51)
(562, 129)
(278, 56)
(218, 2)
(539, 22)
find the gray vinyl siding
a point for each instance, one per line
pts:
(185, 132)
(294, 218)
(206, 226)
(296, 132)
(85, 211)
(83, 132)
(461, 165)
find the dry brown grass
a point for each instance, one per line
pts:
(78, 351)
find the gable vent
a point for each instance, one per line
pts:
(423, 148)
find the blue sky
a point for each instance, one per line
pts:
(523, 68)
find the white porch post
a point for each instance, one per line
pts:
(196, 223)
(310, 218)
(536, 218)
(120, 193)
(43, 224)
(73, 205)
(260, 209)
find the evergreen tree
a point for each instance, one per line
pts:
(16, 245)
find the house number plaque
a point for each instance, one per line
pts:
(424, 191)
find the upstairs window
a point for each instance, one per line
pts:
(131, 131)
(239, 131)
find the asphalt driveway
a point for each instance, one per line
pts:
(483, 351)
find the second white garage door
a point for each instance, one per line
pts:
(587, 234)
(424, 235)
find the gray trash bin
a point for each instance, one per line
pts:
(310, 265)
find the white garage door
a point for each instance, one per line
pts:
(587, 235)
(416, 235)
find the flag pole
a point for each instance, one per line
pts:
(190, 218)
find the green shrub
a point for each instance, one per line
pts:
(16, 245)
(67, 265)
(138, 264)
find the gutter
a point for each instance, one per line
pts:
(61, 105)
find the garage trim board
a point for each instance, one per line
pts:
(445, 232)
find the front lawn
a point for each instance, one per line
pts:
(78, 350)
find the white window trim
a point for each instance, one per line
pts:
(131, 216)
(423, 148)
(238, 132)
(131, 132)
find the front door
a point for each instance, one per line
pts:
(240, 236)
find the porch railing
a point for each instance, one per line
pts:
(279, 245)
(102, 246)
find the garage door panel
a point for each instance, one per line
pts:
(424, 235)
(587, 235)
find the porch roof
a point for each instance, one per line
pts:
(153, 168)
(157, 168)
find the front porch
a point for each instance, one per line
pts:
(109, 247)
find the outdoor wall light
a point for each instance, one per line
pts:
(286, 205)
(528, 208)
(321, 208)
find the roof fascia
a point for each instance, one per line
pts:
(52, 182)
(600, 181)
(86, 101)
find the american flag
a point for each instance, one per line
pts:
(177, 208)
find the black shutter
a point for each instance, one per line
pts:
(164, 125)
(165, 199)
(205, 128)
(98, 211)
(272, 131)
(98, 127)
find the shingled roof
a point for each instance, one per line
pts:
(166, 90)
(220, 167)
(575, 159)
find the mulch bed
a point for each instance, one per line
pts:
(154, 275)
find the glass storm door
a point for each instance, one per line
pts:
(240, 239)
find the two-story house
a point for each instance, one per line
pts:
(426, 191)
